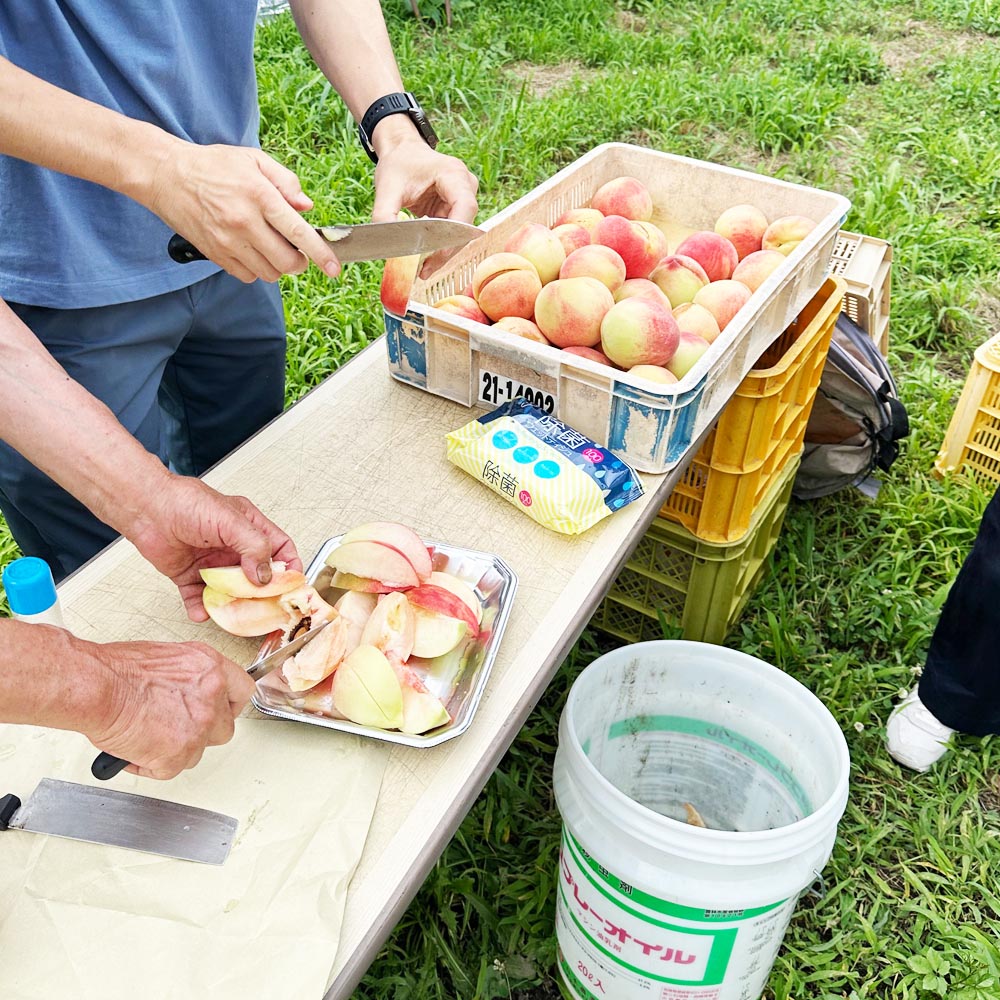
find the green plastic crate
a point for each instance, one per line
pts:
(701, 587)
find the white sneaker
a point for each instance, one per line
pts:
(914, 737)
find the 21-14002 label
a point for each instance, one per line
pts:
(496, 389)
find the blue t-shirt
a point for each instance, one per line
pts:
(184, 65)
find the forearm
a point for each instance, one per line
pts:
(350, 44)
(53, 128)
(67, 433)
(49, 678)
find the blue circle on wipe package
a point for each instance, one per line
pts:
(547, 470)
(525, 454)
(505, 439)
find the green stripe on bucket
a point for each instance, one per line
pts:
(654, 903)
(715, 970)
(716, 734)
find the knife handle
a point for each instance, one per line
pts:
(106, 766)
(9, 805)
(183, 251)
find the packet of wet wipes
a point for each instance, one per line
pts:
(555, 474)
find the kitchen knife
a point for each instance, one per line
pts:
(107, 765)
(121, 819)
(369, 240)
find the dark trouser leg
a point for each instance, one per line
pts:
(227, 377)
(961, 679)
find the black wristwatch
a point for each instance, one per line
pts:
(394, 104)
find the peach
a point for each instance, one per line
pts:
(636, 242)
(595, 261)
(586, 217)
(435, 635)
(462, 305)
(743, 226)
(723, 299)
(400, 537)
(506, 284)
(690, 348)
(757, 267)
(696, 319)
(461, 590)
(541, 246)
(639, 332)
(422, 711)
(367, 691)
(245, 616)
(438, 600)
(367, 558)
(231, 580)
(521, 327)
(363, 584)
(643, 288)
(569, 311)
(624, 196)
(398, 275)
(356, 607)
(390, 626)
(322, 656)
(572, 236)
(786, 233)
(715, 253)
(589, 352)
(305, 602)
(679, 277)
(653, 373)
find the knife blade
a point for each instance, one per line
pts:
(121, 819)
(369, 240)
(107, 765)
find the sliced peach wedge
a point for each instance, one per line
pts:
(245, 616)
(367, 691)
(321, 657)
(232, 580)
(438, 600)
(390, 627)
(434, 634)
(398, 537)
(461, 590)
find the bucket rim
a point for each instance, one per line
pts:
(752, 844)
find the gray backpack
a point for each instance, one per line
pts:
(856, 421)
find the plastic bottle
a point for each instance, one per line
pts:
(31, 591)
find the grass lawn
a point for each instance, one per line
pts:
(896, 105)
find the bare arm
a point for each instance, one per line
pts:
(237, 205)
(349, 41)
(178, 523)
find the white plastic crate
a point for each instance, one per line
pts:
(865, 263)
(652, 429)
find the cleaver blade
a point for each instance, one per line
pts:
(121, 819)
(370, 240)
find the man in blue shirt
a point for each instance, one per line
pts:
(121, 124)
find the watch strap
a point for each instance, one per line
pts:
(393, 104)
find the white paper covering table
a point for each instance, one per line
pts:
(361, 447)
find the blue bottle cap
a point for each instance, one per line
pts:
(29, 585)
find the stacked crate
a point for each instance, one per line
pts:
(704, 555)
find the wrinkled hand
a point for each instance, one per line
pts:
(240, 208)
(167, 702)
(413, 176)
(187, 526)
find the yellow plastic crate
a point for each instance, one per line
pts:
(972, 442)
(865, 263)
(700, 587)
(760, 429)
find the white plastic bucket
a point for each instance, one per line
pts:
(650, 907)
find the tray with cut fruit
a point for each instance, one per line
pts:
(415, 631)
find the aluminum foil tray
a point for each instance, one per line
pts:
(458, 678)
